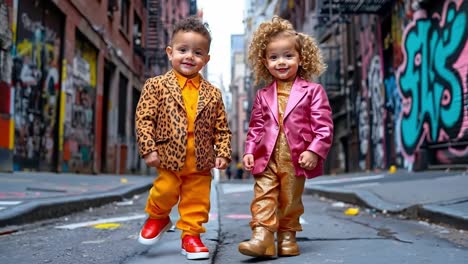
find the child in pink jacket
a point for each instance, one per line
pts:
(290, 134)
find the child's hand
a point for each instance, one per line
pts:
(308, 160)
(221, 163)
(152, 159)
(248, 162)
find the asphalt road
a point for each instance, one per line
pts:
(107, 234)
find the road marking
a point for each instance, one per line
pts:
(1, 208)
(233, 188)
(238, 216)
(344, 180)
(107, 226)
(212, 216)
(102, 221)
(10, 202)
(94, 241)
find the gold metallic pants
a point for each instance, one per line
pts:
(277, 203)
(189, 187)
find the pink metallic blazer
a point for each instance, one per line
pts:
(307, 122)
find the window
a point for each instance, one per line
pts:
(245, 104)
(124, 15)
(137, 35)
(112, 6)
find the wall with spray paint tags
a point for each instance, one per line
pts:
(412, 104)
(60, 64)
(397, 81)
(36, 79)
(432, 82)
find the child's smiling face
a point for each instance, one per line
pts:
(188, 53)
(282, 58)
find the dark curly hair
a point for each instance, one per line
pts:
(193, 24)
(312, 64)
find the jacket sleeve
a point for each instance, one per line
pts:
(223, 134)
(145, 119)
(255, 126)
(322, 123)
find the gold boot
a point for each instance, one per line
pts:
(262, 244)
(287, 244)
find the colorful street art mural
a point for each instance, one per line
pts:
(412, 102)
(6, 135)
(370, 100)
(80, 97)
(35, 78)
(392, 32)
(432, 82)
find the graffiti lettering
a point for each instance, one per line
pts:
(431, 88)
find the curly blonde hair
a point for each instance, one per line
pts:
(312, 64)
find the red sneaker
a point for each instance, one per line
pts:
(153, 229)
(193, 248)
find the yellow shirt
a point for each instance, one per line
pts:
(190, 89)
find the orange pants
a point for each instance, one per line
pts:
(189, 187)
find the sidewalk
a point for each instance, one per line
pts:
(30, 196)
(440, 197)
(436, 196)
(26, 197)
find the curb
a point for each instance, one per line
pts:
(36, 210)
(440, 214)
(433, 213)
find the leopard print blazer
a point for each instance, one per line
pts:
(161, 123)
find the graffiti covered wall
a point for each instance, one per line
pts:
(432, 82)
(80, 100)
(35, 78)
(370, 99)
(412, 103)
(6, 124)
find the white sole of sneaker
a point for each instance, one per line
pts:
(199, 255)
(152, 241)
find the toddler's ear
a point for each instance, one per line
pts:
(207, 58)
(169, 52)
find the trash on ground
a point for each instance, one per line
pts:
(352, 211)
(338, 204)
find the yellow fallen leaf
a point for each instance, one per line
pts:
(123, 180)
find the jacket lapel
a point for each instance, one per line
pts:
(204, 95)
(172, 85)
(297, 92)
(271, 97)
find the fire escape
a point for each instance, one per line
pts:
(155, 56)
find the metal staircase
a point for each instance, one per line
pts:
(155, 57)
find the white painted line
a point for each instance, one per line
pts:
(364, 178)
(1, 208)
(93, 242)
(10, 202)
(234, 188)
(102, 221)
(302, 221)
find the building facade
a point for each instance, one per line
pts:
(396, 80)
(77, 68)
